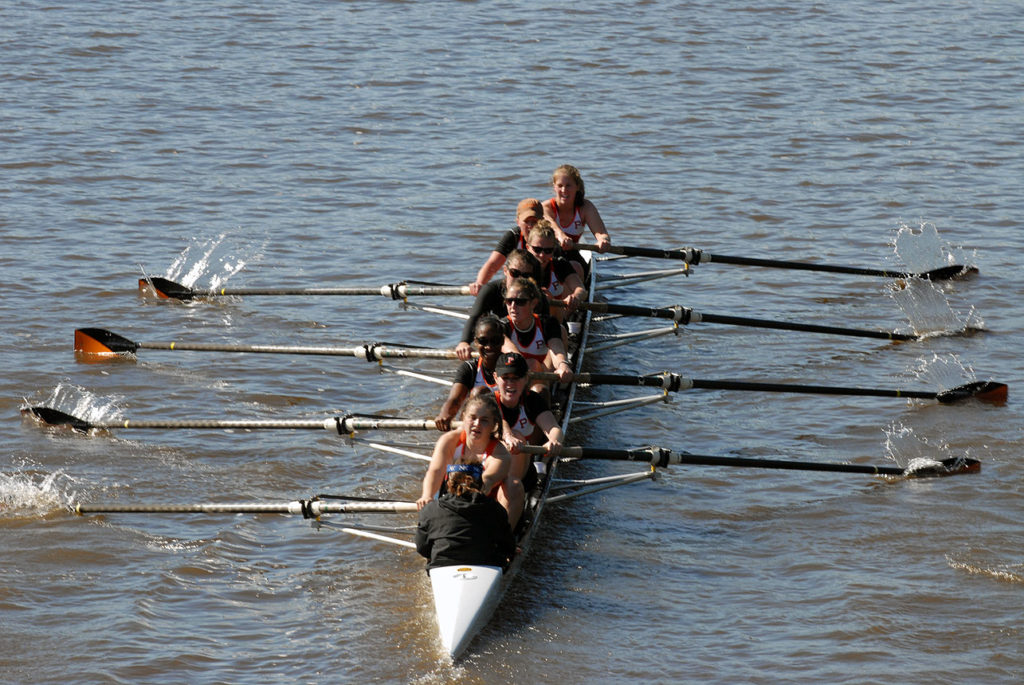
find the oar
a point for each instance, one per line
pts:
(690, 255)
(104, 343)
(660, 457)
(988, 391)
(310, 508)
(342, 425)
(685, 315)
(166, 288)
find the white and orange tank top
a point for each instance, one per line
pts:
(574, 229)
(535, 346)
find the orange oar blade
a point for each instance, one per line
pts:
(166, 289)
(986, 391)
(993, 392)
(101, 342)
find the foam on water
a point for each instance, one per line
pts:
(79, 402)
(214, 260)
(921, 248)
(927, 308)
(31, 493)
(943, 371)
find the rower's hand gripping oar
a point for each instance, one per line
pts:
(660, 458)
(167, 289)
(690, 255)
(986, 391)
(99, 342)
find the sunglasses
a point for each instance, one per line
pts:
(490, 341)
(542, 250)
(516, 273)
(518, 301)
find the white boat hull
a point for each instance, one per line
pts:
(464, 599)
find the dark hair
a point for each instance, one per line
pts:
(521, 255)
(487, 319)
(529, 286)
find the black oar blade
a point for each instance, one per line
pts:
(986, 391)
(55, 417)
(946, 273)
(101, 342)
(947, 467)
(166, 289)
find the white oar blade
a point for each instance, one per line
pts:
(464, 599)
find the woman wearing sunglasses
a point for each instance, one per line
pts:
(471, 374)
(491, 298)
(538, 339)
(559, 279)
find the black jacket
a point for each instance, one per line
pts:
(470, 529)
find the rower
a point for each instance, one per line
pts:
(464, 527)
(558, 278)
(526, 418)
(472, 373)
(569, 211)
(528, 212)
(476, 446)
(491, 298)
(537, 339)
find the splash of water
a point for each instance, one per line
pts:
(921, 249)
(928, 309)
(27, 493)
(943, 371)
(904, 446)
(79, 402)
(211, 259)
(924, 302)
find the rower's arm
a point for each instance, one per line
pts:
(497, 468)
(596, 224)
(456, 395)
(487, 271)
(435, 472)
(547, 423)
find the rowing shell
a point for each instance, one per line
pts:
(466, 596)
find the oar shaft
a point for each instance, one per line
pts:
(690, 255)
(340, 424)
(807, 389)
(369, 352)
(803, 327)
(662, 457)
(685, 315)
(306, 508)
(705, 257)
(396, 291)
(672, 382)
